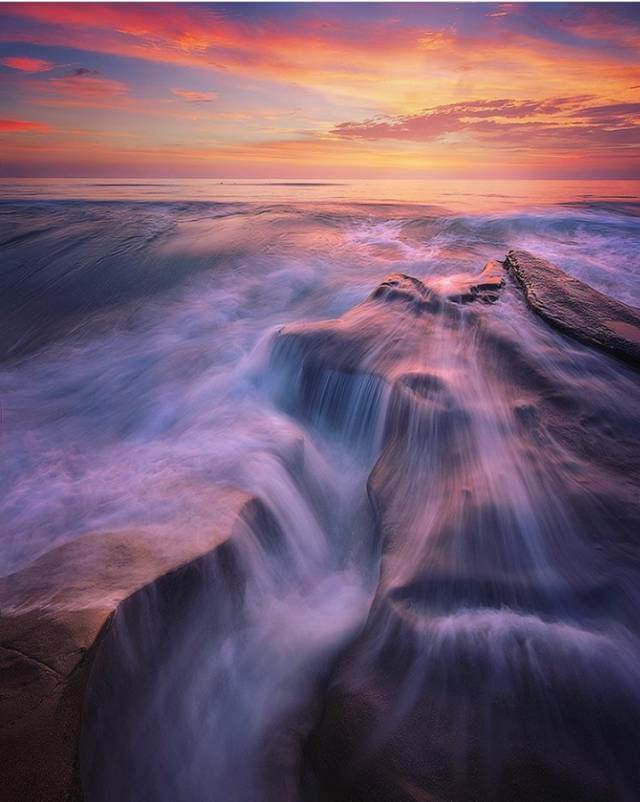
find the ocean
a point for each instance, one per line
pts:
(141, 376)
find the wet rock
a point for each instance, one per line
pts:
(484, 671)
(498, 661)
(342, 373)
(54, 614)
(434, 708)
(186, 690)
(408, 290)
(576, 308)
(465, 288)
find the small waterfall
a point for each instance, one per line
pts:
(234, 650)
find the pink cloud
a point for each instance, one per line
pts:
(434, 122)
(598, 22)
(502, 10)
(554, 125)
(27, 64)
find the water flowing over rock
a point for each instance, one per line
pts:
(427, 591)
(485, 669)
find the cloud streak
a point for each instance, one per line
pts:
(22, 126)
(83, 88)
(27, 64)
(192, 96)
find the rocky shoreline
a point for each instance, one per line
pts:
(375, 376)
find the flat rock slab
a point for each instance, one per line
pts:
(576, 308)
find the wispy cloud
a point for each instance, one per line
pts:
(83, 88)
(385, 88)
(192, 96)
(23, 126)
(501, 10)
(615, 24)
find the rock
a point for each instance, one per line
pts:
(343, 373)
(44, 661)
(408, 290)
(54, 613)
(484, 670)
(576, 308)
(179, 701)
(464, 288)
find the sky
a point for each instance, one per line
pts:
(290, 90)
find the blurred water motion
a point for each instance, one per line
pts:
(439, 596)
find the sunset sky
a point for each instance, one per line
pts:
(320, 90)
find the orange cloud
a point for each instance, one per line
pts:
(530, 136)
(26, 64)
(565, 116)
(194, 97)
(416, 97)
(328, 57)
(382, 64)
(20, 126)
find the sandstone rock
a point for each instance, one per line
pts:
(483, 639)
(53, 614)
(464, 288)
(576, 308)
(489, 666)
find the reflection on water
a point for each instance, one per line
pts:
(439, 598)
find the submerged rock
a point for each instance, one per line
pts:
(576, 308)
